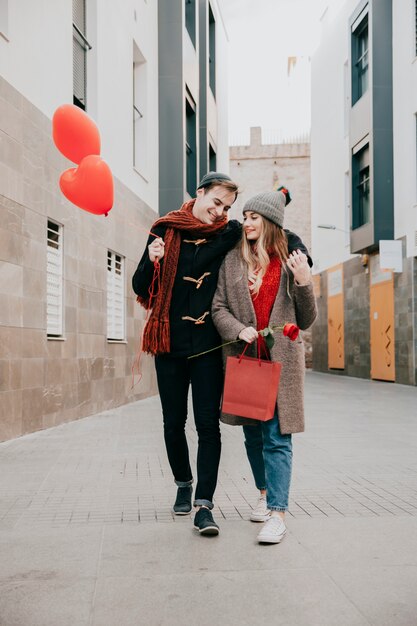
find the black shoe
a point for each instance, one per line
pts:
(182, 504)
(204, 522)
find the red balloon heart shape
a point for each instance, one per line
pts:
(74, 133)
(89, 186)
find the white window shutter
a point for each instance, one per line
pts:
(54, 281)
(115, 296)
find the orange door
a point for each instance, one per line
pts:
(335, 318)
(382, 322)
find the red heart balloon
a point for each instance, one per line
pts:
(89, 186)
(74, 133)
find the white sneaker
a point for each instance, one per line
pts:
(272, 531)
(261, 512)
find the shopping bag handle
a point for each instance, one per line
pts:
(258, 341)
(243, 353)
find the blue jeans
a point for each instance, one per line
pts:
(270, 457)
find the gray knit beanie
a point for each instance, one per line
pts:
(269, 204)
(211, 177)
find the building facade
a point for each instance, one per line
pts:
(364, 185)
(259, 167)
(69, 325)
(193, 97)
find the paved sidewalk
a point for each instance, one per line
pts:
(87, 536)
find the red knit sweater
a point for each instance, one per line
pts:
(264, 300)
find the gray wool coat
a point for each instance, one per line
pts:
(232, 311)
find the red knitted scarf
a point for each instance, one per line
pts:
(156, 335)
(264, 300)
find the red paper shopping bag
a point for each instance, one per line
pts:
(251, 387)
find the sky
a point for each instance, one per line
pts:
(262, 35)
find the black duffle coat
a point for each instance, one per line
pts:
(199, 262)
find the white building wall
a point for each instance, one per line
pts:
(192, 83)
(217, 116)
(37, 58)
(117, 24)
(296, 108)
(329, 146)
(330, 162)
(405, 126)
(191, 62)
(37, 61)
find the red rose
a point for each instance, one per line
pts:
(291, 331)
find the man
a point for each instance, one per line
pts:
(177, 278)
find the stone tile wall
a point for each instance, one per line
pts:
(357, 322)
(414, 302)
(45, 382)
(259, 167)
(319, 329)
(405, 316)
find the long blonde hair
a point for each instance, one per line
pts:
(272, 241)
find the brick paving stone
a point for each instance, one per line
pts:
(113, 467)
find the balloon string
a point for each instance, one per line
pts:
(132, 225)
(155, 283)
(137, 362)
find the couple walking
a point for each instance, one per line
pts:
(219, 281)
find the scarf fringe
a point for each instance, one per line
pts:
(156, 337)
(144, 302)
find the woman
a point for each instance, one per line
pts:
(261, 285)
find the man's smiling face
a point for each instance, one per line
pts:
(212, 206)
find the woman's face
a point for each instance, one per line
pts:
(252, 225)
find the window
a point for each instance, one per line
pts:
(54, 280)
(360, 69)
(190, 19)
(115, 297)
(4, 19)
(347, 209)
(80, 46)
(212, 159)
(361, 188)
(415, 117)
(212, 52)
(347, 104)
(140, 139)
(191, 147)
(415, 21)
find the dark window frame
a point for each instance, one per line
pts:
(190, 19)
(212, 159)
(360, 59)
(361, 188)
(191, 145)
(212, 50)
(80, 47)
(415, 22)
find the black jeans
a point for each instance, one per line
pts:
(205, 373)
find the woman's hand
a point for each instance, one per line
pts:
(298, 264)
(248, 334)
(156, 250)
